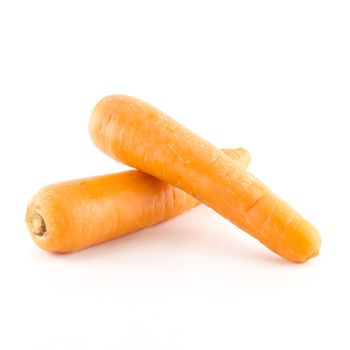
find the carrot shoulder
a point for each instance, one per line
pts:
(143, 137)
(72, 215)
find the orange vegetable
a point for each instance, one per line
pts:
(72, 215)
(143, 137)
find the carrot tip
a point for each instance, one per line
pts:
(37, 224)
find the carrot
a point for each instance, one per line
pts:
(143, 137)
(72, 215)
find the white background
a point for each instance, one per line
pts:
(271, 76)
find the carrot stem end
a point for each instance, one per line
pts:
(37, 224)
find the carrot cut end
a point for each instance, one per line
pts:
(37, 224)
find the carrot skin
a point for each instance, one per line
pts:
(139, 135)
(72, 215)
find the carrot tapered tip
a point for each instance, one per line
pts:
(305, 240)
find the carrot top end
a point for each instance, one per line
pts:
(37, 224)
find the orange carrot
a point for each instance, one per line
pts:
(72, 215)
(143, 137)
